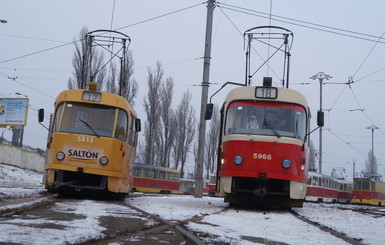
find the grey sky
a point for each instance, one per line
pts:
(177, 41)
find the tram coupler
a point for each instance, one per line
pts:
(260, 191)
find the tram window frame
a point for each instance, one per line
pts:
(146, 173)
(239, 112)
(315, 181)
(132, 135)
(365, 186)
(137, 172)
(154, 174)
(373, 186)
(162, 175)
(121, 125)
(169, 175)
(357, 185)
(176, 176)
(73, 113)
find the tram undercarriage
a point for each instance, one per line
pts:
(261, 192)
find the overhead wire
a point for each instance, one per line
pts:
(363, 62)
(73, 42)
(259, 55)
(305, 24)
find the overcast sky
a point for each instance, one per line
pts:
(340, 38)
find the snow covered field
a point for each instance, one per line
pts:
(234, 226)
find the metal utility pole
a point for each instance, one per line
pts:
(205, 90)
(372, 127)
(320, 76)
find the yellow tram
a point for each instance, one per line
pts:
(92, 142)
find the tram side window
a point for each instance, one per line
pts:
(154, 174)
(131, 131)
(357, 185)
(365, 186)
(300, 124)
(146, 173)
(373, 185)
(137, 171)
(162, 175)
(121, 126)
(315, 181)
(169, 176)
(176, 177)
(57, 118)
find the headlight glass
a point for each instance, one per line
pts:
(238, 160)
(60, 155)
(286, 163)
(103, 160)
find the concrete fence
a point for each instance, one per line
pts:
(18, 157)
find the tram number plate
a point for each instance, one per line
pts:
(91, 96)
(266, 92)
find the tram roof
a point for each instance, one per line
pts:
(75, 95)
(159, 168)
(283, 95)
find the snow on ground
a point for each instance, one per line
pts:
(370, 228)
(235, 226)
(83, 224)
(15, 177)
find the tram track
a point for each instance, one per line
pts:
(376, 212)
(163, 226)
(127, 230)
(12, 206)
(329, 230)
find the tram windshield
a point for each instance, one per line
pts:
(261, 118)
(91, 119)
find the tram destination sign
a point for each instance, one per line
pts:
(13, 111)
(266, 92)
(91, 96)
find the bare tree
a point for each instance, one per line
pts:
(152, 107)
(212, 143)
(312, 157)
(185, 131)
(84, 67)
(127, 86)
(371, 164)
(167, 123)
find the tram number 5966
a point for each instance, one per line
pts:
(260, 156)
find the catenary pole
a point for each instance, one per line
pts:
(205, 89)
(320, 76)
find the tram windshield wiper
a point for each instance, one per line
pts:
(265, 122)
(89, 126)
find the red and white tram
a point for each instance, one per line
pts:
(263, 148)
(324, 188)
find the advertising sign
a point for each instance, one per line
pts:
(13, 111)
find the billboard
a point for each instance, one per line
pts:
(13, 111)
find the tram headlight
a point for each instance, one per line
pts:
(238, 160)
(286, 163)
(60, 155)
(103, 160)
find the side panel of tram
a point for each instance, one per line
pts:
(263, 154)
(92, 144)
(368, 191)
(155, 179)
(323, 188)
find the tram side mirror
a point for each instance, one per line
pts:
(138, 126)
(320, 118)
(209, 111)
(41, 115)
